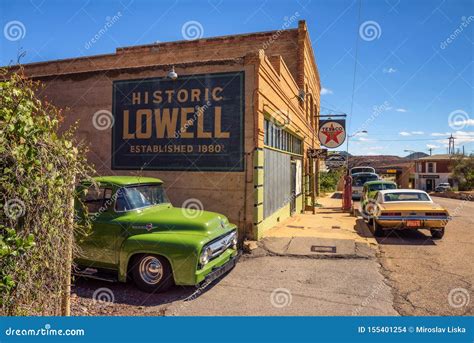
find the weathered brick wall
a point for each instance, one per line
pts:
(84, 86)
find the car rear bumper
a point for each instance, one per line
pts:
(396, 222)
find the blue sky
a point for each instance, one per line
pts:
(414, 77)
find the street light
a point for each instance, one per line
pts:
(357, 132)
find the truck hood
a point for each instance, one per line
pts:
(165, 217)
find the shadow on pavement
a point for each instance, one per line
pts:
(406, 237)
(127, 293)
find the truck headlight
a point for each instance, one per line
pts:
(234, 242)
(205, 255)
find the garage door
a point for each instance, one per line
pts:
(276, 185)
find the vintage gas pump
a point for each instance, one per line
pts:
(347, 193)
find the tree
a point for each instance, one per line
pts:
(39, 166)
(463, 171)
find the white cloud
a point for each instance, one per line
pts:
(363, 139)
(404, 133)
(464, 122)
(417, 133)
(460, 137)
(325, 91)
(389, 70)
(401, 110)
(432, 146)
(439, 134)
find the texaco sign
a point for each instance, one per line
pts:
(332, 133)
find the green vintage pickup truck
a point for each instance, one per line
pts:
(137, 234)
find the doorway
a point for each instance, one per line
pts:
(293, 187)
(430, 185)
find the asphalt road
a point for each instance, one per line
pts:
(259, 285)
(411, 275)
(433, 277)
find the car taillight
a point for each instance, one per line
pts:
(391, 214)
(435, 214)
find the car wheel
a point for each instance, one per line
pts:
(378, 230)
(152, 273)
(437, 233)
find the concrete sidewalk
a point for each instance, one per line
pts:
(328, 233)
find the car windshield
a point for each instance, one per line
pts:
(382, 186)
(408, 196)
(135, 197)
(359, 180)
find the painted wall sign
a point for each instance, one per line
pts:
(193, 123)
(332, 133)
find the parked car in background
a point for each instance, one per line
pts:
(370, 189)
(407, 209)
(362, 169)
(138, 234)
(443, 187)
(358, 181)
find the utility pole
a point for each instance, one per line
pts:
(451, 150)
(430, 150)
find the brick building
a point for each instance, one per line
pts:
(430, 171)
(231, 130)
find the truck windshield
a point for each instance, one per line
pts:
(135, 197)
(382, 186)
(359, 180)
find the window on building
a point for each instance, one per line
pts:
(430, 167)
(281, 139)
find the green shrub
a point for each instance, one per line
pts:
(39, 167)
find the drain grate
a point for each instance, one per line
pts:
(323, 248)
(335, 227)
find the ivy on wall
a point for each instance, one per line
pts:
(38, 166)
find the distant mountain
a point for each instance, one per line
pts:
(342, 153)
(416, 155)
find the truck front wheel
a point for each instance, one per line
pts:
(152, 273)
